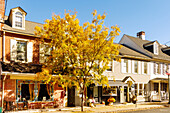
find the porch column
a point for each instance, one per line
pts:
(143, 89)
(159, 88)
(128, 94)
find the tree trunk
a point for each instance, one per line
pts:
(82, 101)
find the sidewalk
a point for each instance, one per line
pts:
(106, 109)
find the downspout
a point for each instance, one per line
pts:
(3, 44)
(3, 91)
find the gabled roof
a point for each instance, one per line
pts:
(128, 78)
(140, 44)
(29, 28)
(128, 52)
(150, 43)
(19, 9)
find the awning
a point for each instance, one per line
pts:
(23, 76)
(115, 83)
(160, 80)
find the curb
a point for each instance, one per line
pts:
(129, 110)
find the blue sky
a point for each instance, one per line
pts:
(132, 16)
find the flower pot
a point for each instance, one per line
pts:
(110, 103)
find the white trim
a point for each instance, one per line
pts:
(21, 39)
(3, 57)
(19, 74)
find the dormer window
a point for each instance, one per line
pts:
(166, 50)
(152, 47)
(18, 19)
(156, 48)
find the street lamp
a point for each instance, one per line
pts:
(168, 73)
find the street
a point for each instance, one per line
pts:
(162, 110)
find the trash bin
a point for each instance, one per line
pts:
(0, 109)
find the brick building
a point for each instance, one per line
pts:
(20, 59)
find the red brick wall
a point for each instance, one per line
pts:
(57, 92)
(10, 89)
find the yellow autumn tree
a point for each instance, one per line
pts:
(78, 54)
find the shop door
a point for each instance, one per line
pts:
(71, 97)
(125, 93)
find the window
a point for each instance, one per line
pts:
(125, 66)
(18, 19)
(155, 48)
(136, 66)
(145, 89)
(111, 90)
(136, 89)
(164, 87)
(157, 68)
(45, 52)
(110, 66)
(145, 67)
(156, 87)
(44, 91)
(21, 50)
(165, 68)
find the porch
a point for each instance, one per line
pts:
(159, 89)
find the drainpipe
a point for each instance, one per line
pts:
(3, 91)
(3, 44)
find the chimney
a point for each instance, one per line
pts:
(141, 35)
(2, 12)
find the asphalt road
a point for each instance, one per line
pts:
(162, 110)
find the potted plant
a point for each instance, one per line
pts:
(103, 102)
(111, 100)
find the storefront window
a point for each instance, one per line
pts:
(140, 89)
(156, 87)
(111, 90)
(164, 87)
(30, 90)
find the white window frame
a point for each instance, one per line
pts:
(18, 15)
(13, 50)
(43, 53)
(155, 48)
(110, 65)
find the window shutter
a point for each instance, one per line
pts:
(122, 65)
(113, 65)
(139, 67)
(148, 68)
(13, 49)
(133, 66)
(29, 51)
(161, 68)
(129, 66)
(142, 68)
